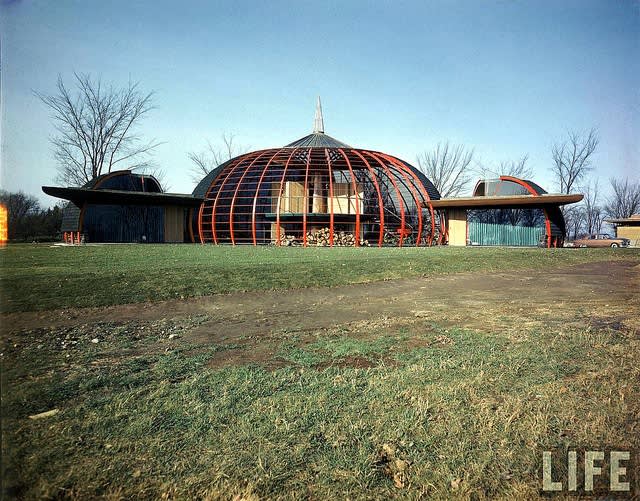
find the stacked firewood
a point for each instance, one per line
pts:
(288, 240)
(322, 238)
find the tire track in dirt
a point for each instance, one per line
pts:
(440, 298)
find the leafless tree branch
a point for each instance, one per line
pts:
(592, 211)
(447, 167)
(572, 158)
(214, 155)
(96, 128)
(625, 198)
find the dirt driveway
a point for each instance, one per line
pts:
(471, 300)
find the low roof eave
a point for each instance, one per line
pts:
(504, 202)
(80, 196)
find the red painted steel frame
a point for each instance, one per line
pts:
(284, 173)
(190, 225)
(404, 171)
(240, 161)
(255, 199)
(200, 233)
(395, 186)
(391, 167)
(235, 194)
(306, 199)
(416, 200)
(201, 209)
(355, 191)
(422, 187)
(326, 153)
(375, 183)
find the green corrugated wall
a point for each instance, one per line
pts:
(504, 234)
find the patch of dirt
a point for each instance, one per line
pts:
(391, 463)
(610, 323)
(606, 294)
(352, 361)
(263, 354)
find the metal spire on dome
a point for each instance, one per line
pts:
(317, 139)
(318, 121)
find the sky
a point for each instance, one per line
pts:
(506, 78)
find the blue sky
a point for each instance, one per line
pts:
(504, 77)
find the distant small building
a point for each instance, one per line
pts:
(628, 228)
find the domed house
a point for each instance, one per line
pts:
(316, 191)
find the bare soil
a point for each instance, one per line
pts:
(601, 294)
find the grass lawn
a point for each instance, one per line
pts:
(450, 400)
(41, 277)
(412, 409)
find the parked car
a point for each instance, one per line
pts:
(599, 240)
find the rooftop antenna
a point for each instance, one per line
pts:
(318, 122)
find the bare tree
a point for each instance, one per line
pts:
(516, 168)
(593, 213)
(447, 167)
(208, 159)
(20, 207)
(574, 218)
(96, 128)
(625, 200)
(572, 159)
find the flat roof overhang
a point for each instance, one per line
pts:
(504, 202)
(627, 221)
(81, 196)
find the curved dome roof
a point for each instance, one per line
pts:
(314, 186)
(317, 140)
(125, 180)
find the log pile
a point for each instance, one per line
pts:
(288, 240)
(321, 238)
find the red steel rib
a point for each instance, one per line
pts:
(240, 161)
(255, 197)
(284, 173)
(395, 186)
(375, 183)
(414, 194)
(306, 199)
(355, 191)
(399, 163)
(326, 153)
(201, 208)
(235, 194)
